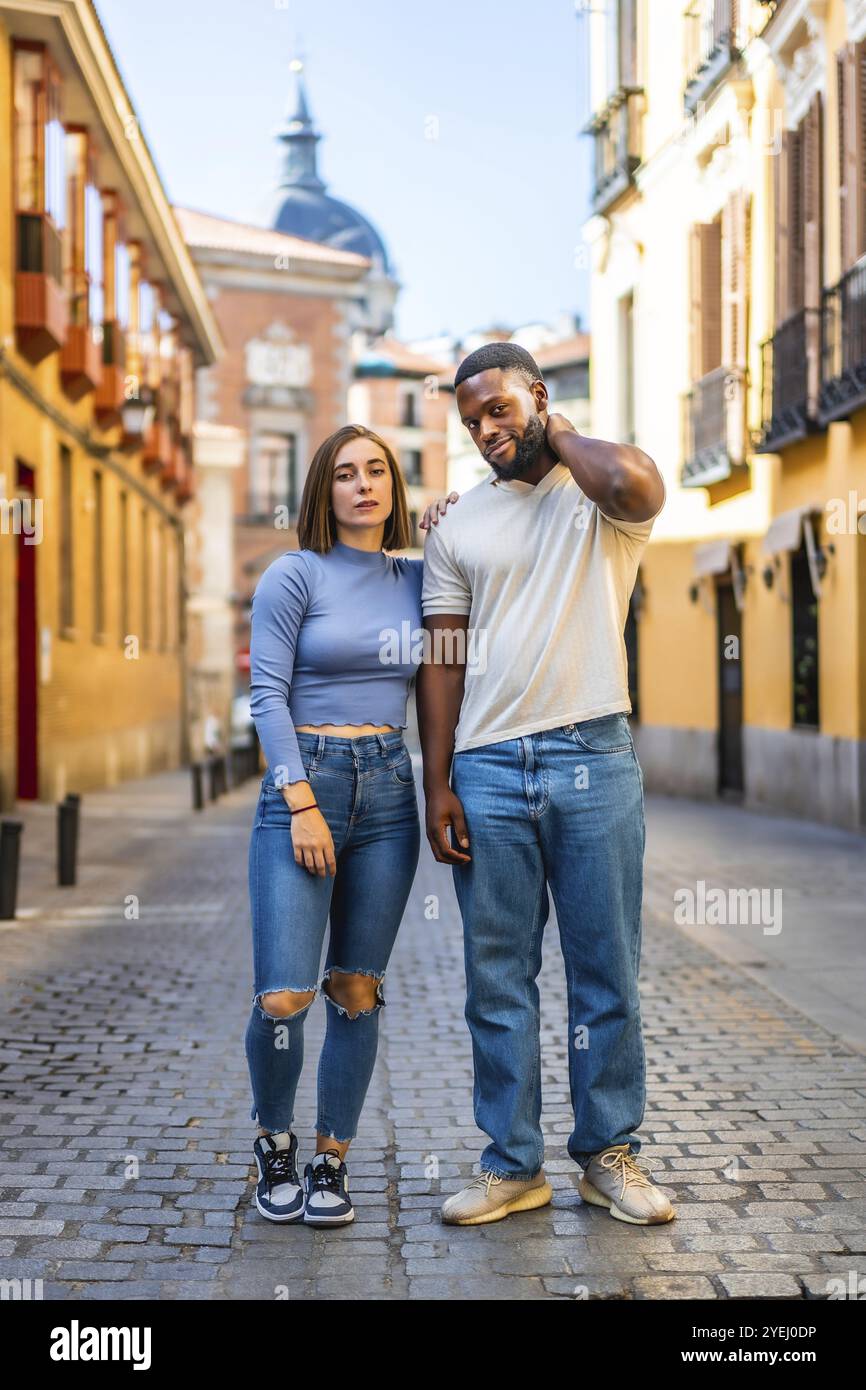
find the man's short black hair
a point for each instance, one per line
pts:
(509, 356)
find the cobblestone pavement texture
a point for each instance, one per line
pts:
(126, 1163)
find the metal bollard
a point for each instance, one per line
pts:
(197, 787)
(10, 848)
(67, 841)
(223, 771)
(74, 799)
(213, 779)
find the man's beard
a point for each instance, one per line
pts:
(526, 451)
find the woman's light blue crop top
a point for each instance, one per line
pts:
(336, 639)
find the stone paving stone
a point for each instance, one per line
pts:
(673, 1286)
(126, 1148)
(761, 1286)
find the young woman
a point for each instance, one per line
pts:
(336, 831)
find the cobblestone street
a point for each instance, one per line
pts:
(126, 1143)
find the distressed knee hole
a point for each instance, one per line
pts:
(353, 994)
(284, 1003)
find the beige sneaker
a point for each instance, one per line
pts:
(489, 1198)
(613, 1179)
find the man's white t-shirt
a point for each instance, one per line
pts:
(545, 578)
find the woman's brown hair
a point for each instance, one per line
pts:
(316, 525)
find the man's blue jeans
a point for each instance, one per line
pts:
(562, 807)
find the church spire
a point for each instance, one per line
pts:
(299, 138)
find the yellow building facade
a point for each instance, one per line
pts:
(103, 321)
(728, 245)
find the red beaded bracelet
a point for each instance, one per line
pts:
(313, 807)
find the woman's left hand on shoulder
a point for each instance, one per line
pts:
(436, 509)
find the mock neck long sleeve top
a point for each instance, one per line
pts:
(335, 639)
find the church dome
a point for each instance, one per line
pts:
(303, 207)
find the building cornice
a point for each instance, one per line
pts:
(296, 269)
(721, 122)
(229, 275)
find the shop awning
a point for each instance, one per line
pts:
(713, 557)
(786, 530)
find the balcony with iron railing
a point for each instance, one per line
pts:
(711, 47)
(616, 136)
(843, 349)
(714, 427)
(790, 381)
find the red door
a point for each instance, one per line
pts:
(27, 686)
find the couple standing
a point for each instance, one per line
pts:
(528, 762)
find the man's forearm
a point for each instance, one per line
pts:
(438, 697)
(620, 478)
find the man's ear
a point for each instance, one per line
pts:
(539, 391)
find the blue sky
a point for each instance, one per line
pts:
(483, 222)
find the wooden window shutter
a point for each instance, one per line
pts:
(796, 217)
(813, 204)
(695, 310)
(711, 295)
(842, 125)
(729, 284)
(744, 298)
(860, 85)
(780, 199)
(850, 203)
(735, 279)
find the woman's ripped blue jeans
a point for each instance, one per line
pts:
(365, 788)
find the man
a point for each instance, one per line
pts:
(525, 596)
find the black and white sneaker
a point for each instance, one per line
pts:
(279, 1194)
(326, 1191)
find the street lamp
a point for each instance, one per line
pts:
(138, 413)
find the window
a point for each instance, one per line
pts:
(273, 474)
(711, 37)
(715, 436)
(621, 44)
(167, 336)
(148, 333)
(798, 184)
(409, 413)
(98, 557)
(38, 160)
(82, 261)
(627, 42)
(792, 355)
(141, 340)
(66, 531)
(804, 618)
(121, 283)
(569, 382)
(412, 465)
(115, 263)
